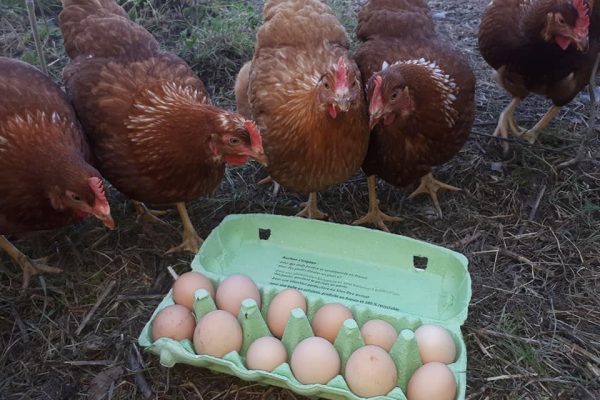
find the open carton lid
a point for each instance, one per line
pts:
(347, 264)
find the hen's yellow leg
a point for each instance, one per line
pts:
(311, 209)
(191, 241)
(30, 267)
(532, 134)
(375, 216)
(430, 185)
(506, 123)
(148, 215)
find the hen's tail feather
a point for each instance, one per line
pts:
(396, 18)
(102, 28)
(241, 91)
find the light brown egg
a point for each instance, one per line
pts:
(379, 333)
(328, 320)
(315, 360)
(175, 322)
(185, 286)
(435, 344)
(235, 289)
(266, 354)
(280, 308)
(217, 334)
(370, 371)
(433, 381)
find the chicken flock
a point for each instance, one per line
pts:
(312, 112)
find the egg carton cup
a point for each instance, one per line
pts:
(377, 275)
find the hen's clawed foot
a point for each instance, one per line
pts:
(507, 125)
(430, 185)
(311, 210)
(147, 215)
(268, 180)
(30, 267)
(34, 267)
(378, 218)
(191, 243)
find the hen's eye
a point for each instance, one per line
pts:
(394, 95)
(326, 85)
(561, 20)
(234, 141)
(75, 197)
(354, 84)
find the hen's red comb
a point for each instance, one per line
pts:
(255, 138)
(97, 186)
(341, 74)
(583, 19)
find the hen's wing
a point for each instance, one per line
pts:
(408, 19)
(102, 28)
(500, 34)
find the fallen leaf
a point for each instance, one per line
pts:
(101, 383)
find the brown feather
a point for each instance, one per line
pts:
(439, 80)
(298, 44)
(42, 148)
(146, 113)
(511, 41)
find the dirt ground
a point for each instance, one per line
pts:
(530, 231)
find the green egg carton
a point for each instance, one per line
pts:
(377, 275)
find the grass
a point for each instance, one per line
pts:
(534, 321)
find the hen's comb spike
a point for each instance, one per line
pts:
(97, 187)
(255, 138)
(583, 19)
(341, 74)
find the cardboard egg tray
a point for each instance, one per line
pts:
(377, 275)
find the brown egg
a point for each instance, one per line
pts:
(370, 371)
(175, 322)
(185, 286)
(280, 308)
(435, 344)
(328, 320)
(266, 354)
(315, 360)
(235, 289)
(217, 334)
(433, 381)
(380, 333)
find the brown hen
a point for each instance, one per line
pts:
(46, 180)
(304, 90)
(421, 98)
(152, 128)
(546, 47)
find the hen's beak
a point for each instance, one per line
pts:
(374, 118)
(343, 102)
(581, 43)
(260, 156)
(106, 219)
